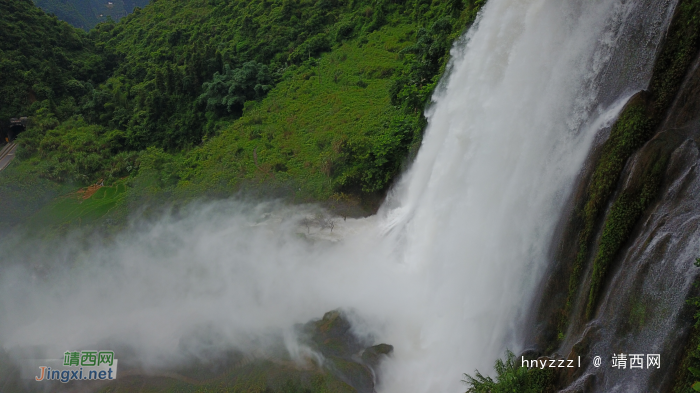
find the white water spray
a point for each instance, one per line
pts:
(443, 272)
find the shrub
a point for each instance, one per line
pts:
(511, 377)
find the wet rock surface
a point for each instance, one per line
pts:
(642, 308)
(350, 358)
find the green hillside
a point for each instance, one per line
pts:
(85, 14)
(311, 100)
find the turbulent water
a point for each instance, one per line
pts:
(443, 272)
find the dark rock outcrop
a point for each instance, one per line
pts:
(347, 356)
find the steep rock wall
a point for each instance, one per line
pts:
(622, 265)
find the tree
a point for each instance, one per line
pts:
(228, 91)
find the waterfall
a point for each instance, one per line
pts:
(444, 271)
(529, 89)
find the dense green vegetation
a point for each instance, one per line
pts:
(511, 377)
(44, 63)
(322, 99)
(85, 14)
(640, 118)
(191, 66)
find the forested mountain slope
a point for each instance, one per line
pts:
(43, 62)
(322, 98)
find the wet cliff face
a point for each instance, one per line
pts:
(642, 310)
(620, 276)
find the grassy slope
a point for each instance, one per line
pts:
(298, 133)
(72, 208)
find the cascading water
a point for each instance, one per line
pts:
(443, 272)
(508, 134)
